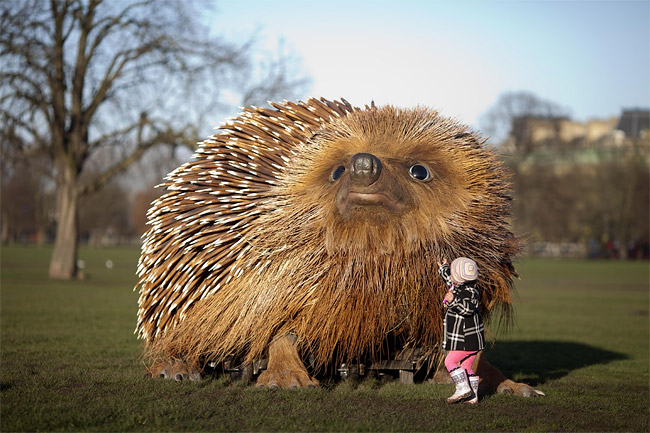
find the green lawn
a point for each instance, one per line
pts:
(70, 361)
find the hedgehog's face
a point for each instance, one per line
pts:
(371, 189)
(397, 188)
(385, 188)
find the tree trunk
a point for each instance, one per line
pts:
(63, 263)
(4, 227)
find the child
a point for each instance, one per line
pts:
(463, 327)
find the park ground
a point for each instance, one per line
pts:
(70, 361)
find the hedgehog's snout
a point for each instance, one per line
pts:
(365, 169)
(366, 187)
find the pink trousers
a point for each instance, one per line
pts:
(462, 358)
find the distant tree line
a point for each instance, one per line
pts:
(602, 205)
(114, 214)
(595, 196)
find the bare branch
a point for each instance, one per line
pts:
(76, 74)
(167, 137)
(501, 119)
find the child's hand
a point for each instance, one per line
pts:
(449, 296)
(444, 262)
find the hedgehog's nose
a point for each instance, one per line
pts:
(365, 169)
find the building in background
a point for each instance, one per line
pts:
(531, 133)
(634, 123)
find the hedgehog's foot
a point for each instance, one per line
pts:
(177, 370)
(285, 369)
(511, 387)
(492, 380)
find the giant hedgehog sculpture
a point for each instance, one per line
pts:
(312, 231)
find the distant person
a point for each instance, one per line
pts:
(463, 326)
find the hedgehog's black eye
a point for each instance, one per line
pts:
(419, 172)
(338, 172)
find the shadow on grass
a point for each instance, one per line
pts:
(536, 362)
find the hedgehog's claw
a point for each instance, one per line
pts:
(283, 378)
(518, 388)
(176, 370)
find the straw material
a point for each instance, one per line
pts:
(248, 243)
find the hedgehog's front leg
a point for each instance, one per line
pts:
(285, 369)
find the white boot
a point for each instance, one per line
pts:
(473, 382)
(463, 390)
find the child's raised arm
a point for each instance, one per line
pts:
(443, 270)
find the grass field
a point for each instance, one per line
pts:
(70, 361)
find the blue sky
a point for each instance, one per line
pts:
(592, 57)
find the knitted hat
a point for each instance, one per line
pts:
(463, 269)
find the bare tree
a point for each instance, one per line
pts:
(509, 117)
(78, 76)
(276, 77)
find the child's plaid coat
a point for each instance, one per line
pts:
(463, 326)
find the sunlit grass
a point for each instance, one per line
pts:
(70, 361)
